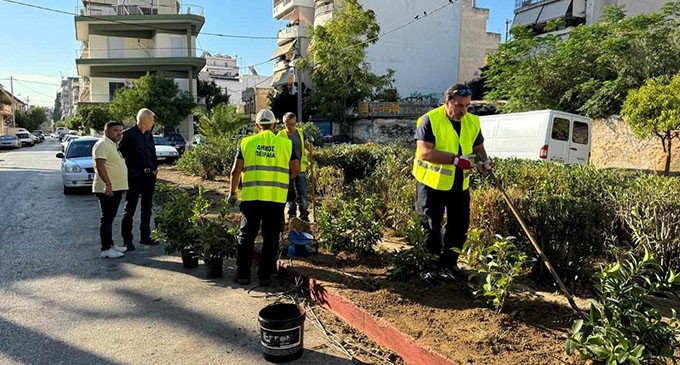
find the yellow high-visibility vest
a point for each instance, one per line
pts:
(441, 176)
(303, 158)
(266, 159)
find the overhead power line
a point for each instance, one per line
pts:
(237, 36)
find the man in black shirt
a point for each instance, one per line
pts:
(139, 151)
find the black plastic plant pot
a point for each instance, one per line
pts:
(213, 268)
(190, 259)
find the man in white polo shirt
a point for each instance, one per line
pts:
(110, 181)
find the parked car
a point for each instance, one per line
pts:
(26, 139)
(40, 134)
(338, 139)
(165, 152)
(12, 142)
(176, 140)
(67, 138)
(77, 165)
(35, 138)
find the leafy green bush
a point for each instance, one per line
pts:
(350, 225)
(622, 326)
(568, 208)
(311, 130)
(411, 262)
(498, 266)
(359, 161)
(210, 159)
(184, 223)
(173, 213)
(650, 209)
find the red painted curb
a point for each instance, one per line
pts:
(377, 329)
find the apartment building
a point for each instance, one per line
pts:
(225, 72)
(70, 97)
(456, 34)
(9, 104)
(122, 40)
(536, 13)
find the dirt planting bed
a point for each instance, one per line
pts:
(446, 318)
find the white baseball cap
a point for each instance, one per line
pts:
(265, 116)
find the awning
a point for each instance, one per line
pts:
(554, 10)
(284, 49)
(527, 17)
(283, 77)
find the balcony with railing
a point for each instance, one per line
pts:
(146, 9)
(323, 13)
(138, 52)
(290, 33)
(284, 7)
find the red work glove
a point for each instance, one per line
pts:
(462, 162)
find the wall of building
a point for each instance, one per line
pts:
(475, 42)
(376, 130)
(595, 8)
(423, 54)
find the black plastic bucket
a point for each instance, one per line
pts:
(213, 268)
(282, 328)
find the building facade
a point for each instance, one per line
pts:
(254, 99)
(537, 13)
(224, 71)
(122, 40)
(70, 97)
(445, 47)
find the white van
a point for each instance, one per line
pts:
(23, 134)
(547, 135)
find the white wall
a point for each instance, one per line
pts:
(425, 53)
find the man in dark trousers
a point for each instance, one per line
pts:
(110, 182)
(447, 140)
(137, 147)
(265, 163)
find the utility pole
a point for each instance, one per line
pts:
(507, 29)
(298, 78)
(14, 104)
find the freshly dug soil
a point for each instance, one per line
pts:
(445, 316)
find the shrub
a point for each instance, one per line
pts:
(350, 225)
(650, 209)
(211, 159)
(411, 262)
(622, 326)
(499, 265)
(311, 130)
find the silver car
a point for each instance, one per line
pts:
(77, 165)
(7, 141)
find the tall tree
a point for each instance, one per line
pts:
(590, 71)
(94, 116)
(213, 94)
(56, 114)
(654, 110)
(33, 119)
(337, 53)
(159, 94)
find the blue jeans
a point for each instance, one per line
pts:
(297, 197)
(431, 205)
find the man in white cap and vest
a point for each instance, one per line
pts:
(265, 164)
(447, 139)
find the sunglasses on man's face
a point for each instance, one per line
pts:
(463, 92)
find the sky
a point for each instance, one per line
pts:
(39, 46)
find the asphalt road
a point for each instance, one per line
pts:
(62, 304)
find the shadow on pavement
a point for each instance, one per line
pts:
(44, 350)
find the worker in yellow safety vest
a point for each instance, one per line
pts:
(264, 164)
(448, 139)
(297, 193)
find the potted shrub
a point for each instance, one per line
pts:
(174, 211)
(216, 240)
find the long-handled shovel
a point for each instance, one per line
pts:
(312, 179)
(538, 249)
